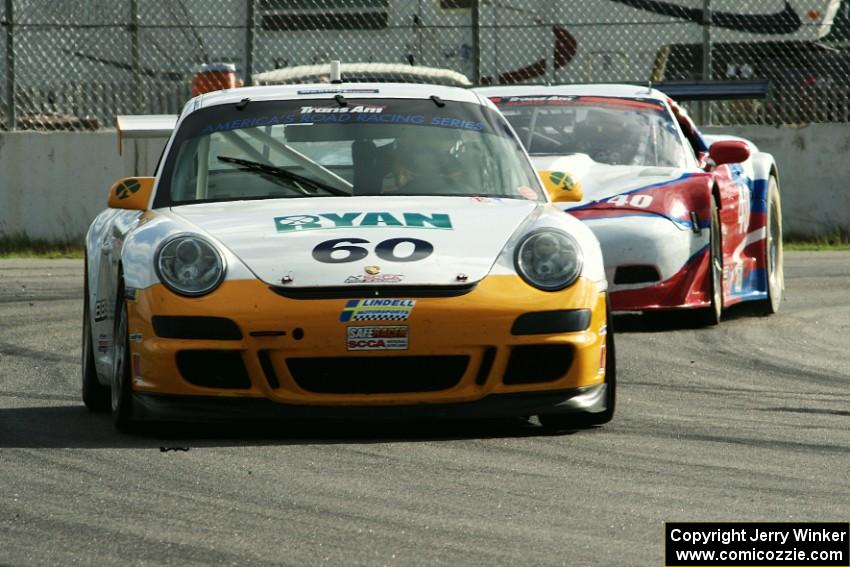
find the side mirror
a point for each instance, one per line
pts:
(729, 151)
(562, 187)
(133, 193)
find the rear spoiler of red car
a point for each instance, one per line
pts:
(714, 90)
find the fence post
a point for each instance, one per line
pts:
(706, 57)
(249, 42)
(476, 41)
(134, 57)
(11, 118)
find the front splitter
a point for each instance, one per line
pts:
(590, 399)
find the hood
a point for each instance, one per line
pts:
(600, 181)
(336, 241)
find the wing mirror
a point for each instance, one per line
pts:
(561, 186)
(728, 151)
(133, 193)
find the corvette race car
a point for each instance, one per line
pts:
(685, 221)
(344, 250)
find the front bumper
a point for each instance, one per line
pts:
(678, 256)
(283, 338)
(589, 399)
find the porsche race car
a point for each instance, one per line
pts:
(343, 251)
(686, 221)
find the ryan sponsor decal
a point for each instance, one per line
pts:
(380, 219)
(377, 338)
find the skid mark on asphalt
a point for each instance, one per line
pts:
(32, 297)
(35, 396)
(10, 349)
(810, 410)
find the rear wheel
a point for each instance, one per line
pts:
(711, 315)
(95, 394)
(565, 421)
(773, 252)
(122, 399)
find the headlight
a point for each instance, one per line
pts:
(548, 259)
(189, 265)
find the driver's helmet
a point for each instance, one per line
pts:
(423, 155)
(609, 136)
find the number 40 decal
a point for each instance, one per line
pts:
(341, 250)
(639, 201)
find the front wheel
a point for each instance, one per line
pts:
(122, 398)
(773, 252)
(711, 315)
(566, 421)
(95, 395)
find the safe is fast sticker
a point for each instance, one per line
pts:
(377, 338)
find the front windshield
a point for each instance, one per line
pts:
(321, 148)
(616, 131)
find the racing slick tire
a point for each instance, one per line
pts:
(773, 252)
(570, 421)
(95, 395)
(710, 316)
(121, 392)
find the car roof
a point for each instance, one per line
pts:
(591, 89)
(329, 91)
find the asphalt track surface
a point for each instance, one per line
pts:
(747, 421)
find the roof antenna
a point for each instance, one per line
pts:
(336, 75)
(649, 87)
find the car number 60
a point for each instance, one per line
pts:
(329, 251)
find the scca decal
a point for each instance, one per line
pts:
(377, 338)
(323, 221)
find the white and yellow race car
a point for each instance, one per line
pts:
(343, 251)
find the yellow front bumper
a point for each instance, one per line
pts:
(276, 329)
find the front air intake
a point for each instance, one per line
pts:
(377, 375)
(636, 274)
(198, 328)
(213, 368)
(533, 364)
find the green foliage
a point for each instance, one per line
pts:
(839, 239)
(22, 246)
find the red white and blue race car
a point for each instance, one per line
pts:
(686, 221)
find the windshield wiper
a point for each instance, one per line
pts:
(284, 173)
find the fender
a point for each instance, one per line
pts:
(744, 258)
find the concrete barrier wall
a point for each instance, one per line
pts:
(52, 185)
(814, 173)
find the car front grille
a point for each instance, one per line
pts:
(378, 375)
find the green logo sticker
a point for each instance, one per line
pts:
(563, 180)
(127, 188)
(323, 221)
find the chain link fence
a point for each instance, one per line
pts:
(75, 64)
